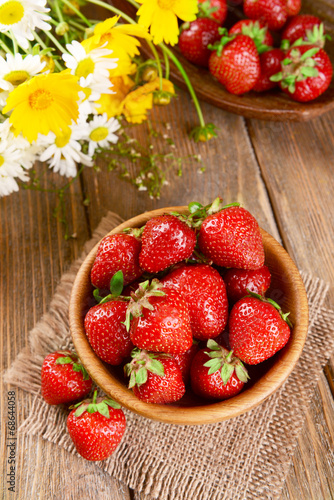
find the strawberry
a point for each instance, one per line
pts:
(215, 9)
(64, 379)
(154, 378)
(184, 361)
(270, 63)
(166, 240)
(305, 27)
(231, 237)
(293, 7)
(235, 62)
(257, 329)
(204, 292)
(195, 38)
(256, 30)
(273, 13)
(96, 427)
(306, 73)
(240, 281)
(116, 252)
(160, 319)
(217, 374)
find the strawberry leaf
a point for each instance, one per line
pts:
(226, 372)
(141, 376)
(81, 409)
(64, 361)
(241, 372)
(112, 403)
(103, 409)
(156, 367)
(214, 365)
(116, 284)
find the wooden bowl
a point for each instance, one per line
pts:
(273, 105)
(287, 288)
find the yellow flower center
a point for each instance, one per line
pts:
(63, 139)
(16, 77)
(98, 134)
(85, 68)
(2, 160)
(11, 12)
(40, 100)
(166, 4)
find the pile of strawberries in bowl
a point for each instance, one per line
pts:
(172, 316)
(274, 46)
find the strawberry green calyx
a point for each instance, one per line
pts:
(205, 9)
(315, 36)
(134, 231)
(139, 299)
(204, 134)
(162, 97)
(143, 362)
(220, 44)
(296, 68)
(257, 34)
(223, 360)
(284, 316)
(100, 405)
(116, 288)
(72, 359)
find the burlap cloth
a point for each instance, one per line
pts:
(247, 457)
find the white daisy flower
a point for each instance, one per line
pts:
(28, 151)
(16, 69)
(99, 132)
(22, 17)
(10, 168)
(92, 68)
(64, 152)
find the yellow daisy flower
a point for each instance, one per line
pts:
(121, 40)
(112, 104)
(43, 104)
(161, 16)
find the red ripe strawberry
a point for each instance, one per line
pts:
(231, 237)
(195, 38)
(155, 378)
(184, 361)
(216, 374)
(63, 378)
(305, 74)
(271, 12)
(306, 28)
(235, 63)
(166, 240)
(257, 329)
(106, 332)
(161, 321)
(293, 7)
(239, 281)
(204, 292)
(96, 427)
(256, 30)
(215, 9)
(270, 63)
(117, 252)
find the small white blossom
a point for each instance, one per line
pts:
(99, 132)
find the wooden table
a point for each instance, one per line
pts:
(281, 172)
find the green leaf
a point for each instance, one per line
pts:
(141, 376)
(309, 72)
(212, 344)
(81, 409)
(92, 408)
(97, 295)
(112, 403)
(64, 361)
(213, 364)
(241, 373)
(277, 77)
(132, 381)
(103, 409)
(226, 372)
(309, 53)
(286, 61)
(214, 354)
(116, 284)
(156, 367)
(194, 206)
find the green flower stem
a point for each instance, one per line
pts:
(78, 13)
(135, 4)
(15, 45)
(118, 12)
(5, 48)
(76, 25)
(55, 41)
(61, 18)
(167, 68)
(187, 81)
(42, 44)
(157, 58)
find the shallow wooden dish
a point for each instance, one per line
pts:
(273, 105)
(287, 288)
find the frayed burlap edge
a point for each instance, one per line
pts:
(266, 446)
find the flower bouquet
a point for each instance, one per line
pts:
(67, 81)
